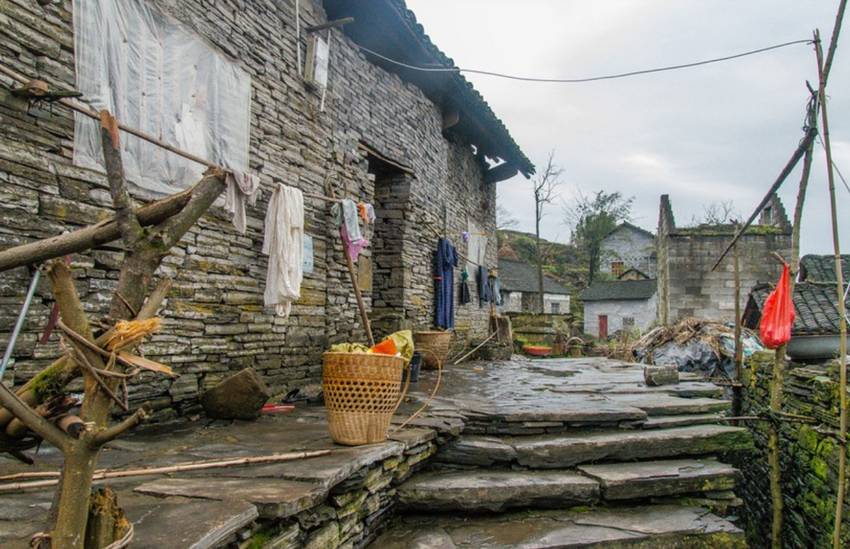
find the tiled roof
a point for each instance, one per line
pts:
(516, 276)
(821, 268)
(620, 290)
(814, 303)
(391, 29)
(625, 225)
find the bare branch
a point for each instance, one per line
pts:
(111, 433)
(31, 419)
(128, 223)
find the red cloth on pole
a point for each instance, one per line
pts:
(778, 315)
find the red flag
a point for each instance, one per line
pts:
(778, 315)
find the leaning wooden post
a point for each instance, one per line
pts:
(353, 276)
(839, 280)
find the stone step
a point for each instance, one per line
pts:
(666, 422)
(661, 478)
(495, 490)
(562, 451)
(644, 527)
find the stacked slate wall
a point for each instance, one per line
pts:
(809, 456)
(215, 320)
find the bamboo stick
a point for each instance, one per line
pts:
(180, 467)
(839, 280)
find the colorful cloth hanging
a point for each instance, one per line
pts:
(444, 290)
(465, 296)
(345, 217)
(283, 244)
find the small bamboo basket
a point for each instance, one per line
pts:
(435, 347)
(362, 391)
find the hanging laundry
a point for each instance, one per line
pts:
(444, 289)
(497, 292)
(465, 236)
(484, 293)
(464, 297)
(345, 217)
(283, 244)
(367, 212)
(241, 187)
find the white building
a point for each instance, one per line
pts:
(519, 290)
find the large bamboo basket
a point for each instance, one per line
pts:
(434, 346)
(362, 391)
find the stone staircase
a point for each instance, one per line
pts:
(607, 463)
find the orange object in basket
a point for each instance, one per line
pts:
(384, 348)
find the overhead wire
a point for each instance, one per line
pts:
(590, 79)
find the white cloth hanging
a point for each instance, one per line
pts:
(241, 187)
(283, 243)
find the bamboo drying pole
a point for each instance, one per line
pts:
(737, 387)
(839, 280)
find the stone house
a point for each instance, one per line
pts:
(229, 80)
(629, 247)
(686, 285)
(518, 285)
(619, 305)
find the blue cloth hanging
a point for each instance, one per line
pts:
(484, 293)
(444, 290)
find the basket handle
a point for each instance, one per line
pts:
(427, 402)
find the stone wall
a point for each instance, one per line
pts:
(635, 249)
(215, 322)
(809, 458)
(686, 285)
(642, 311)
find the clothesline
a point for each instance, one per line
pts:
(439, 235)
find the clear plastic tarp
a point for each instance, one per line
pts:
(157, 77)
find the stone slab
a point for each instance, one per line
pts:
(661, 478)
(665, 422)
(274, 498)
(648, 527)
(497, 490)
(562, 451)
(476, 450)
(669, 405)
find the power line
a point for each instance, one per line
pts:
(582, 80)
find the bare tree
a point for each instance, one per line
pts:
(717, 213)
(104, 361)
(545, 191)
(505, 218)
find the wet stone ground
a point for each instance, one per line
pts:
(582, 449)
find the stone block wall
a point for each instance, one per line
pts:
(215, 322)
(809, 457)
(687, 287)
(633, 248)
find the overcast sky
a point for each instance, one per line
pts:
(721, 132)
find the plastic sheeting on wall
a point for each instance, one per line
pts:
(155, 76)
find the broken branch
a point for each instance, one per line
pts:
(111, 433)
(128, 223)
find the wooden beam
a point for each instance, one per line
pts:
(331, 24)
(90, 237)
(501, 172)
(451, 116)
(389, 161)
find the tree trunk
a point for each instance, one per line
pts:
(539, 255)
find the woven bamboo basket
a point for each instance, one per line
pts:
(362, 391)
(435, 347)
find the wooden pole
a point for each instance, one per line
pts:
(353, 276)
(773, 448)
(737, 388)
(839, 280)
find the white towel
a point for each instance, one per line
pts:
(240, 186)
(283, 243)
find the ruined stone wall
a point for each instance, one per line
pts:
(215, 319)
(693, 290)
(809, 458)
(686, 285)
